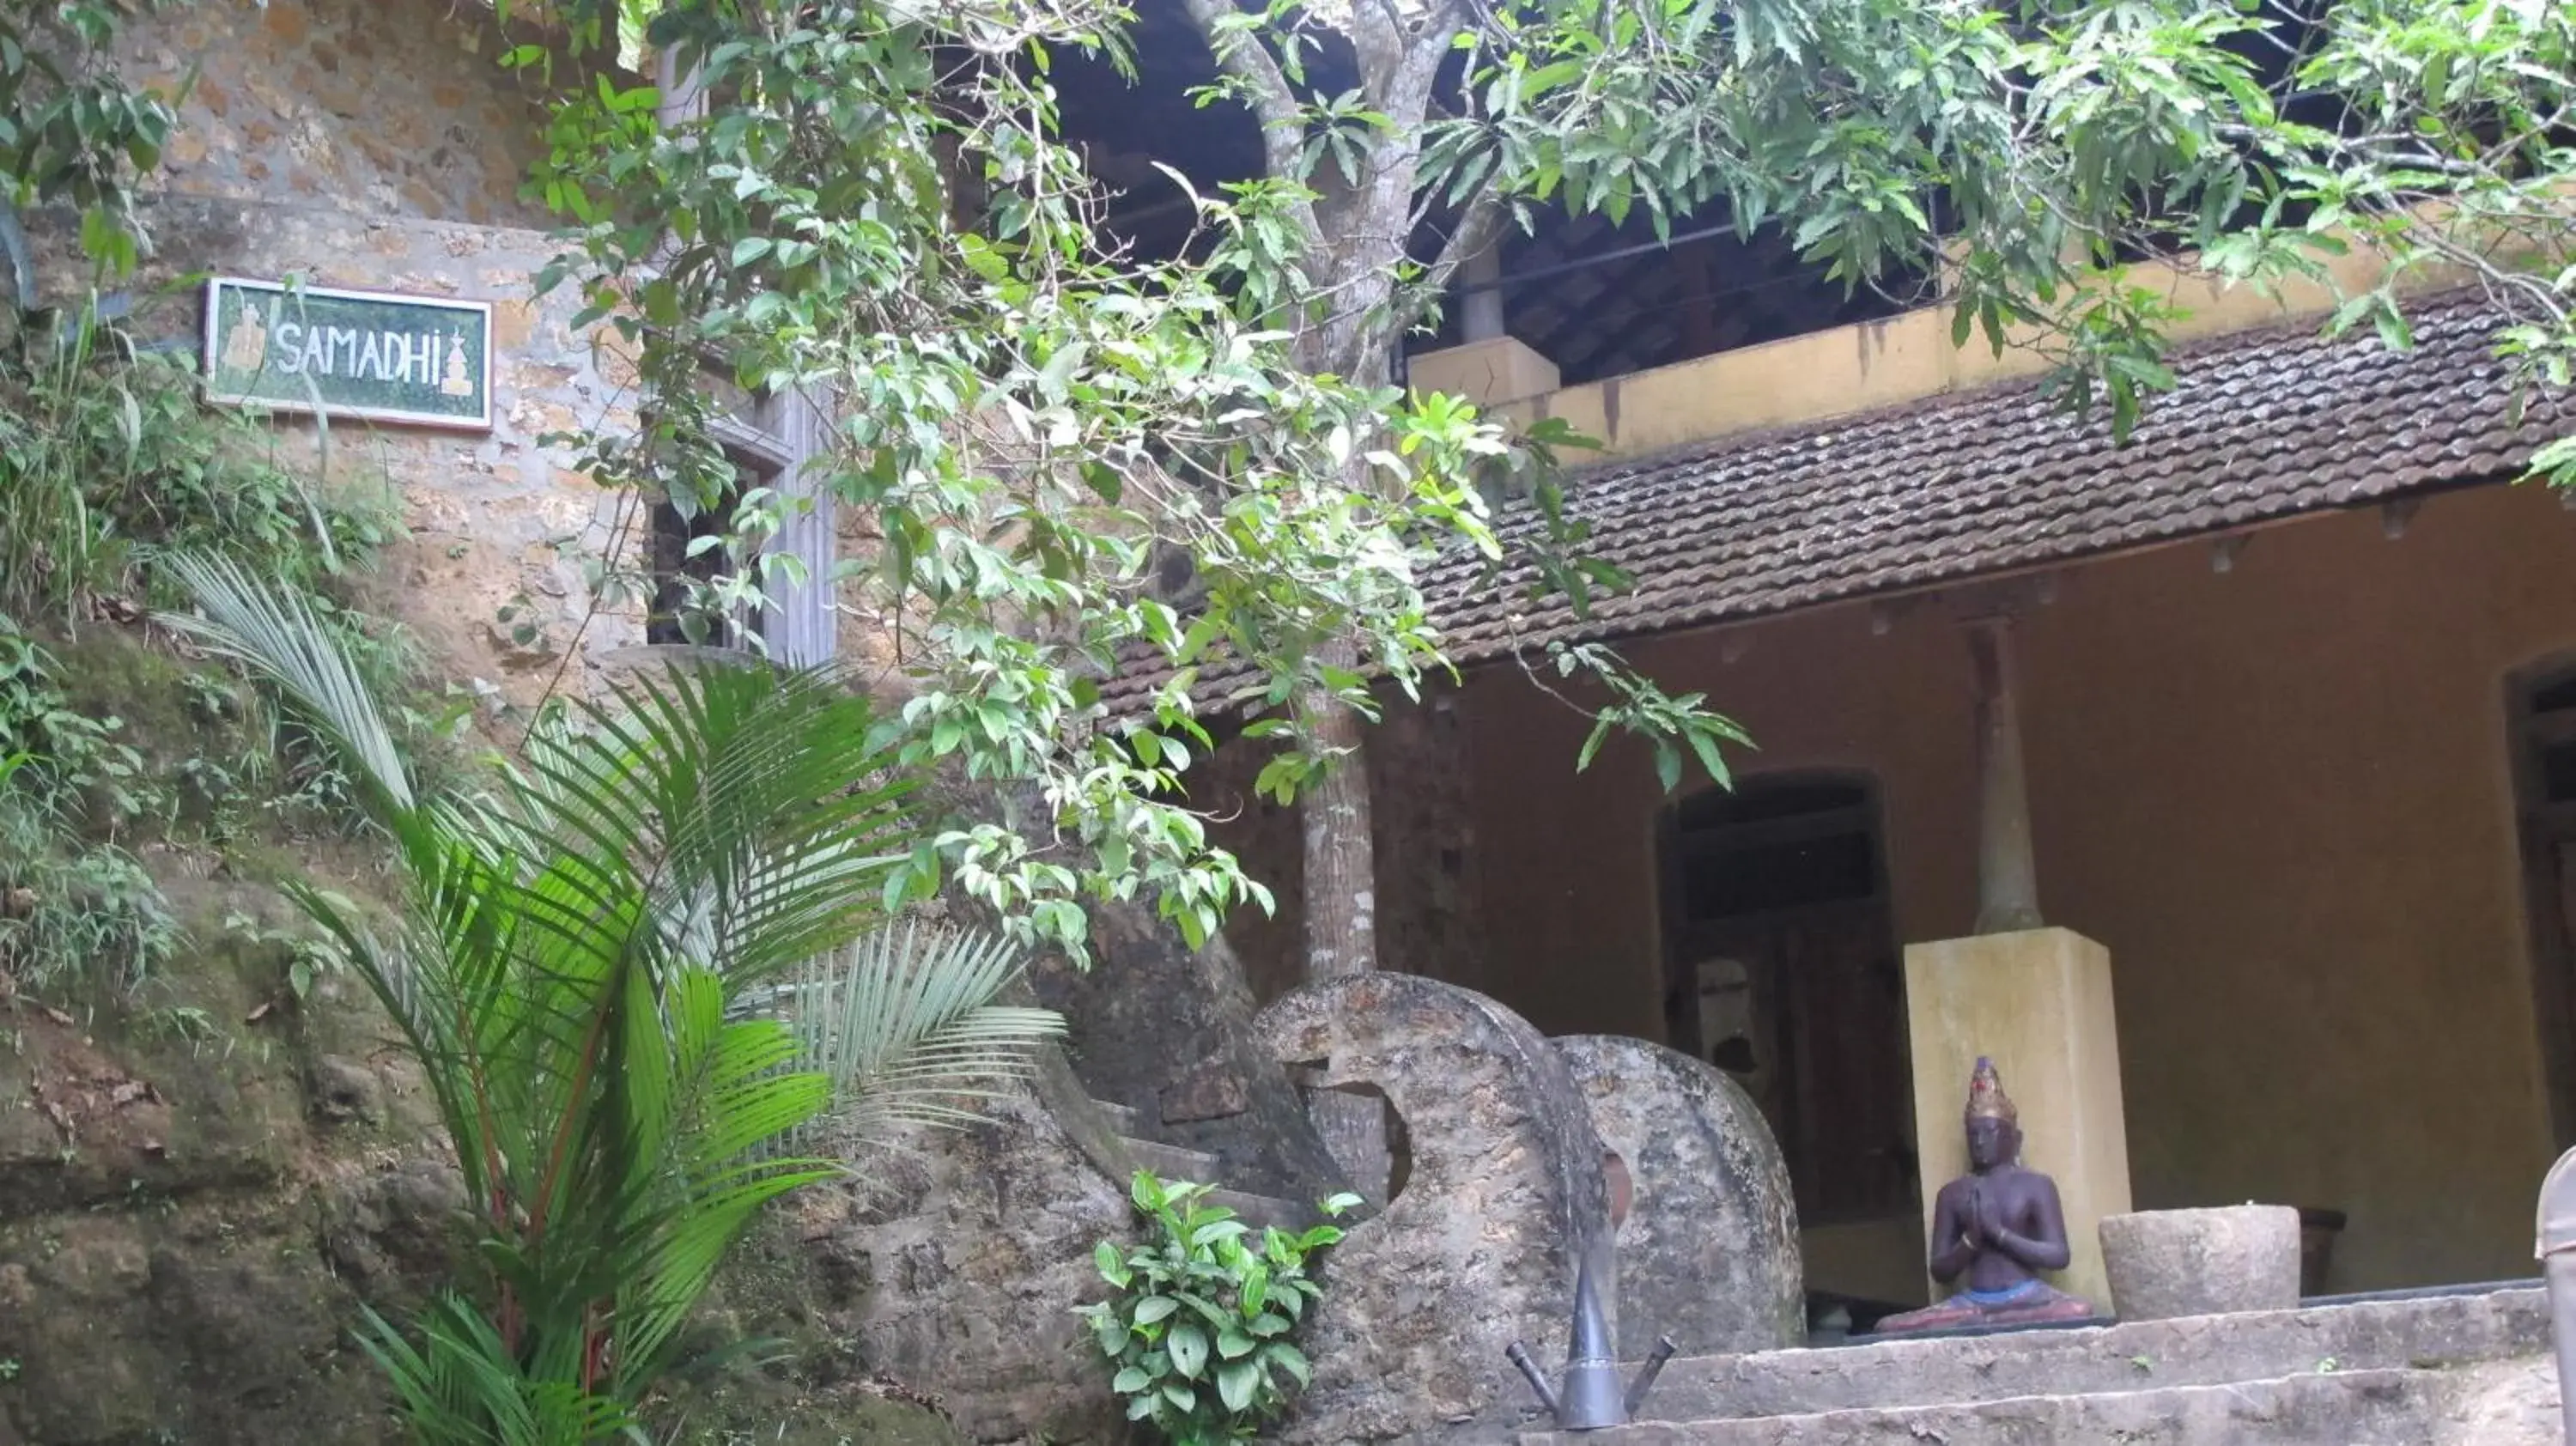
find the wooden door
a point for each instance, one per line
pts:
(2545, 783)
(1793, 904)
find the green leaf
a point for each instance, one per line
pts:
(1189, 1347)
(1290, 1359)
(1154, 1308)
(1112, 1268)
(1236, 1381)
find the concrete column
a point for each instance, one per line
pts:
(1481, 315)
(683, 98)
(2007, 871)
(2039, 1004)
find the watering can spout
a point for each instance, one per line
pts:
(1519, 1355)
(1646, 1374)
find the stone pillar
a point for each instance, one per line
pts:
(2039, 1003)
(2007, 871)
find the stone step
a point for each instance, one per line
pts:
(2345, 1408)
(1125, 1119)
(1172, 1162)
(2372, 1335)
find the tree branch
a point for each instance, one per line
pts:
(1479, 228)
(1274, 102)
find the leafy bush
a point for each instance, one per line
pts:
(1198, 1333)
(66, 907)
(77, 132)
(71, 899)
(108, 459)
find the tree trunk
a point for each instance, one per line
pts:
(1368, 224)
(1341, 911)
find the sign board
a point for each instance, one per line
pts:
(417, 359)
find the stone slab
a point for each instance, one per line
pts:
(1708, 1254)
(2447, 1330)
(1172, 1162)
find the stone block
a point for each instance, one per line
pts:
(1489, 372)
(1708, 1252)
(2038, 1002)
(1506, 1200)
(1212, 1089)
(2169, 1263)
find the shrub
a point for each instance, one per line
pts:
(1198, 1332)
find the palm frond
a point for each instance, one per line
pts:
(275, 635)
(906, 1026)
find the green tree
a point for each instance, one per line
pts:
(868, 203)
(72, 131)
(635, 982)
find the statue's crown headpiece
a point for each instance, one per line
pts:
(1986, 1097)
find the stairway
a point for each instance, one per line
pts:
(1171, 1162)
(2368, 1372)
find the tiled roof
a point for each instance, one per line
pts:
(2261, 425)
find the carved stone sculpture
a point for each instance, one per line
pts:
(1503, 1210)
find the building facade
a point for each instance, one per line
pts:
(2293, 678)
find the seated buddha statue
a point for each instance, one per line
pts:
(1999, 1225)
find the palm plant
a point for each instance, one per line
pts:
(634, 979)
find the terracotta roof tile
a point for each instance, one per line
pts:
(2261, 425)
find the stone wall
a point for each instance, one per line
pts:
(377, 145)
(375, 108)
(499, 519)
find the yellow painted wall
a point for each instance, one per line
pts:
(2279, 796)
(1855, 368)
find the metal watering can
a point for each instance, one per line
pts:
(1591, 1398)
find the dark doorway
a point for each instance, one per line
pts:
(2543, 703)
(1782, 969)
(689, 548)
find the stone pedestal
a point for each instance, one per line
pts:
(2039, 1003)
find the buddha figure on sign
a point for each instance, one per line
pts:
(1999, 1225)
(246, 342)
